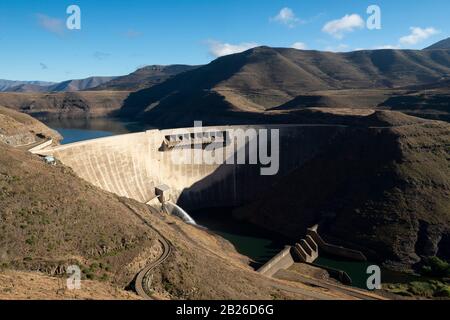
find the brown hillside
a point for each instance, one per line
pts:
(18, 129)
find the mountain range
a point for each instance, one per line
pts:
(142, 78)
(7, 85)
(65, 86)
(256, 85)
(268, 79)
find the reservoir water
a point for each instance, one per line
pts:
(76, 130)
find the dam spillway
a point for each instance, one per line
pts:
(133, 165)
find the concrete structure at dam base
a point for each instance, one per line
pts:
(307, 251)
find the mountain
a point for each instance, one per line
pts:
(6, 85)
(264, 78)
(144, 78)
(79, 85)
(29, 88)
(65, 86)
(442, 45)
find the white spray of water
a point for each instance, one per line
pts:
(175, 210)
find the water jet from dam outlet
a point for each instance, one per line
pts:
(177, 211)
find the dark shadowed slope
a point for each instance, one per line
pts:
(264, 78)
(382, 186)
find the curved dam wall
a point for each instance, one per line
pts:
(132, 165)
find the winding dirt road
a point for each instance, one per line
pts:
(143, 278)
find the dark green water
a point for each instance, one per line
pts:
(356, 270)
(258, 244)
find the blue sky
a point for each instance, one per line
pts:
(116, 37)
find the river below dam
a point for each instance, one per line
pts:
(258, 244)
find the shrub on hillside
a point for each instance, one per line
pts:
(435, 267)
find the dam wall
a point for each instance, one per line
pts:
(132, 165)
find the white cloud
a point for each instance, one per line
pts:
(348, 23)
(287, 17)
(299, 46)
(418, 35)
(50, 24)
(219, 49)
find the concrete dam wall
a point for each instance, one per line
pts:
(133, 165)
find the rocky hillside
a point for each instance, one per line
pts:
(18, 129)
(382, 187)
